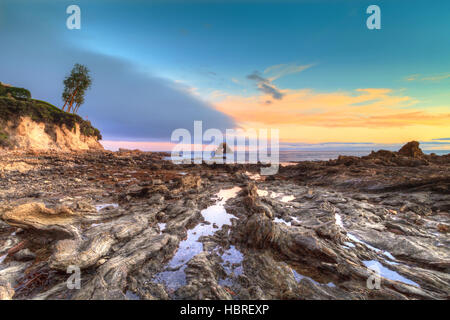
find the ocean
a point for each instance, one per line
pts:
(293, 156)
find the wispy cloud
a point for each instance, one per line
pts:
(436, 77)
(281, 70)
(412, 77)
(265, 85)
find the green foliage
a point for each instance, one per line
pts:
(17, 93)
(41, 111)
(3, 136)
(75, 86)
(3, 139)
(47, 104)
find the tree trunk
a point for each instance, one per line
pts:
(75, 109)
(69, 108)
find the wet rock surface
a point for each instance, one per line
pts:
(140, 227)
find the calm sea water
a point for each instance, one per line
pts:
(289, 156)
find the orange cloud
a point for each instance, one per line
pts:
(360, 114)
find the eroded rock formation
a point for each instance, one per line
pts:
(138, 226)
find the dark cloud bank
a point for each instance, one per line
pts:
(124, 102)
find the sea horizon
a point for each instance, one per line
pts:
(307, 155)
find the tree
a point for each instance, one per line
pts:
(79, 100)
(75, 86)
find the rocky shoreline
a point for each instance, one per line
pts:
(140, 227)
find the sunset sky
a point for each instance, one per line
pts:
(311, 69)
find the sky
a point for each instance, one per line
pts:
(311, 69)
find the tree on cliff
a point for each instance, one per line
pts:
(75, 86)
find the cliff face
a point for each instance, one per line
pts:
(31, 135)
(27, 124)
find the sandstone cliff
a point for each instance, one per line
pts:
(27, 124)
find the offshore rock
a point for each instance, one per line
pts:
(411, 149)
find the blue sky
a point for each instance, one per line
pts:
(159, 65)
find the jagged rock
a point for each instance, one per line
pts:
(137, 191)
(79, 253)
(188, 182)
(202, 281)
(347, 160)
(86, 253)
(6, 292)
(252, 202)
(411, 149)
(24, 255)
(182, 219)
(297, 245)
(110, 279)
(410, 162)
(222, 149)
(59, 222)
(340, 215)
(329, 231)
(383, 154)
(156, 199)
(10, 275)
(151, 291)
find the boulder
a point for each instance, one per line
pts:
(58, 222)
(411, 149)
